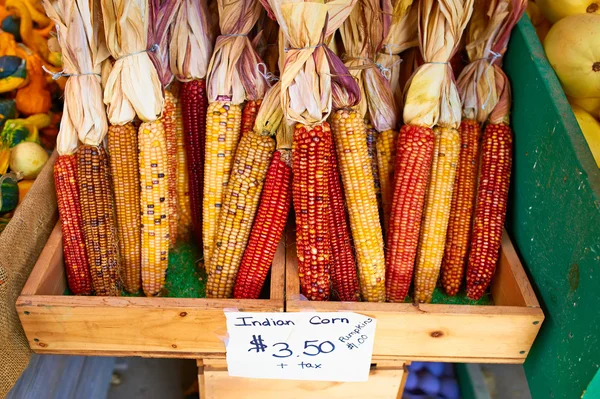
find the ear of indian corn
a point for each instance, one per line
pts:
(239, 205)
(99, 225)
(414, 153)
(310, 163)
(372, 151)
(169, 121)
(461, 210)
(490, 208)
(194, 103)
(436, 213)
(357, 176)
(125, 172)
(183, 191)
(223, 124)
(386, 156)
(154, 206)
(268, 227)
(79, 278)
(344, 276)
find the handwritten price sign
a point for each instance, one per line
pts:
(335, 346)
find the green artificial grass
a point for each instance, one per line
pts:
(184, 278)
(441, 298)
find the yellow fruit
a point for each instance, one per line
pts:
(24, 187)
(540, 23)
(28, 159)
(591, 131)
(556, 10)
(573, 49)
(591, 105)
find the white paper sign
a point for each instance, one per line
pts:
(334, 346)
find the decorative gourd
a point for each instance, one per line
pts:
(34, 98)
(12, 24)
(555, 10)
(9, 192)
(17, 130)
(590, 105)
(590, 128)
(8, 46)
(8, 110)
(573, 49)
(31, 38)
(13, 73)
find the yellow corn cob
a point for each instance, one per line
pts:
(154, 206)
(436, 212)
(223, 124)
(125, 171)
(240, 202)
(184, 210)
(386, 156)
(169, 120)
(350, 135)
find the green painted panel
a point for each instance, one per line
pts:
(554, 221)
(593, 390)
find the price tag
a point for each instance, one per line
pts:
(334, 346)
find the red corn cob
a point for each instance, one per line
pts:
(413, 163)
(194, 104)
(344, 273)
(67, 196)
(311, 147)
(268, 227)
(490, 208)
(461, 211)
(249, 115)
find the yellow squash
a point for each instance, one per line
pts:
(591, 131)
(573, 48)
(555, 10)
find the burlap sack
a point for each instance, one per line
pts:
(20, 245)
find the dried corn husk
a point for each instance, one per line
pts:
(370, 20)
(270, 113)
(232, 72)
(307, 77)
(267, 47)
(401, 37)
(83, 52)
(432, 97)
(133, 86)
(192, 41)
(487, 38)
(161, 16)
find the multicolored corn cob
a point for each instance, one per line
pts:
(183, 191)
(414, 153)
(386, 156)
(239, 205)
(490, 208)
(98, 216)
(344, 276)
(223, 124)
(436, 212)
(310, 163)
(79, 278)
(169, 121)
(357, 176)
(268, 227)
(194, 104)
(461, 211)
(125, 172)
(154, 206)
(372, 151)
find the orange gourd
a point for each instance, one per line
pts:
(35, 97)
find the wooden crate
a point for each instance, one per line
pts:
(386, 381)
(502, 333)
(127, 326)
